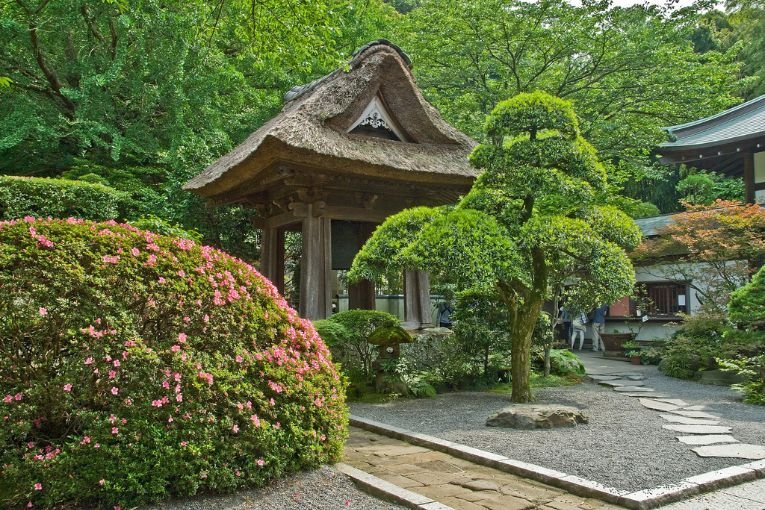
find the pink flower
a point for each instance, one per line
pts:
(112, 374)
(89, 360)
(85, 440)
(179, 397)
(255, 420)
(30, 505)
(169, 419)
(101, 482)
(135, 252)
(8, 399)
(110, 259)
(184, 444)
(17, 397)
(260, 462)
(239, 359)
(115, 390)
(235, 429)
(187, 319)
(182, 337)
(67, 387)
(161, 279)
(38, 486)
(206, 318)
(43, 311)
(175, 348)
(115, 430)
(151, 261)
(116, 363)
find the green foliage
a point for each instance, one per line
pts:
(165, 228)
(537, 215)
(629, 71)
(150, 367)
(753, 371)
(350, 345)
(746, 308)
(703, 188)
(482, 331)
(389, 335)
(562, 362)
(59, 198)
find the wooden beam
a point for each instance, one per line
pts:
(315, 267)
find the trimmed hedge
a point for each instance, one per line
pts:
(59, 198)
(135, 366)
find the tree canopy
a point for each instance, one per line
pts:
(537, 216)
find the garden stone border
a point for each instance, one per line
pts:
(639, 500)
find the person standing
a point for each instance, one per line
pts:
(578, 326)
(598, 327)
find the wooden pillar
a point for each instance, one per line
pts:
(315, 267)
(272, 256)
(417, 310)
(749, 178)
(362, 294)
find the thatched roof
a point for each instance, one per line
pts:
(312, 131)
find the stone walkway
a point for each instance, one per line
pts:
(696, 426)
(454, 482)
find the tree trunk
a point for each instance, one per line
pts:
(522, 328)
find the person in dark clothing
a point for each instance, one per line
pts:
(445, 315)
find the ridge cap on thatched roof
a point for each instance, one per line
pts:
(299, 90)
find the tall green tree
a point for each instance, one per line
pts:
(628, 71)
(537, 215)
(159, 89)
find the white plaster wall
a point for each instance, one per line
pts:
(759, 167)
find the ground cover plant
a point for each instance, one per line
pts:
(150, 366)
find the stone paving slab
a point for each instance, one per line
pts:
(675, 402)
(703, 440)
(633, 389)
(657, 405)
(644, 395)
(621, 382)
(696, 414)
(738, 451)
(458, 483)
(698, 429)
(749, 496)
(695, 408)
(687, 421)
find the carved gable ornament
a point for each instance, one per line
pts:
(376, 121)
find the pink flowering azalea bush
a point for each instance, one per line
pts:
(135, 366)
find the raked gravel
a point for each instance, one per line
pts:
(322, 489)
(623, 445)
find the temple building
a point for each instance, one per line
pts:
(731, 142)
(346, 151)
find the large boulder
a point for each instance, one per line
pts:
(536, 416)
(135, 366)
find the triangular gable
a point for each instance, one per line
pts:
(375, 117)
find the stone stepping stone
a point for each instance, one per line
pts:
(643, 395)
(635, 377)
(698, 429)
(603, 377)
(632, 389)
(657, 405)
(738, 451)
(687, 421)
(705, 440)
(695, 408)
(696, 414)
(620, 382)
(674, 402)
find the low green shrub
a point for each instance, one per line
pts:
(353, 351)
(165, 228)
(134, 367)
(59, 198)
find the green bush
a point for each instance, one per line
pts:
(165, 228)
(354, 352)
(59, 198)
(135, 366)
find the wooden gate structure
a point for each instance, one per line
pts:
(346, 151)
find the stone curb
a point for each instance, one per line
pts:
(638, 500)
(388, 491)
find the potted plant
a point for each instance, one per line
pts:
(614, 343)
(632, 351)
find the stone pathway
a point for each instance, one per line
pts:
(453, 482)
(707, 435)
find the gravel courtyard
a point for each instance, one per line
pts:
(623, 446)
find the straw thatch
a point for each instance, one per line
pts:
(311, 131)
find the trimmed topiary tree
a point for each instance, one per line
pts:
(135, 366)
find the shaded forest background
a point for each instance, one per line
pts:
(142, 95)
